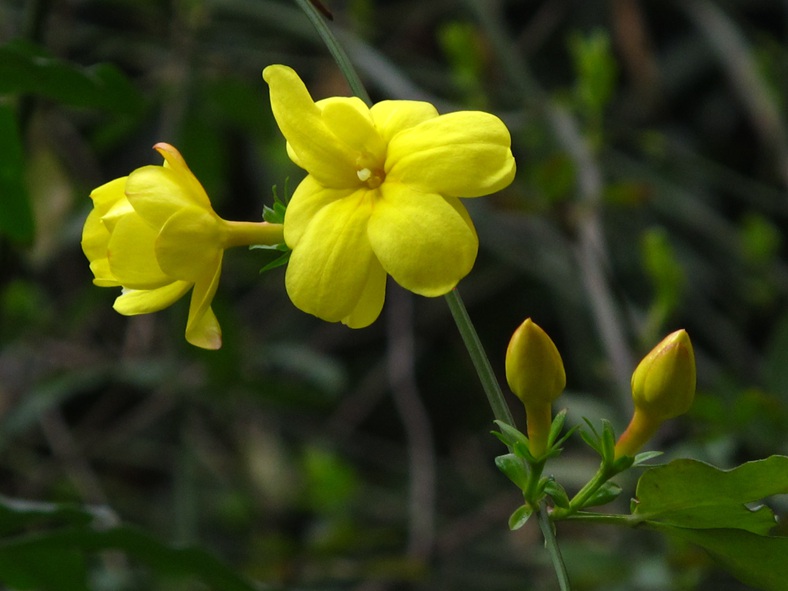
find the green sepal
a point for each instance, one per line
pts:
(645, 457)
(279, 261)
(605, 494)
(520, 515)
(556, 492)
(515, 440)
(514, 469)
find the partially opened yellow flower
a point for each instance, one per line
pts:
(155, 234)
(381, 196)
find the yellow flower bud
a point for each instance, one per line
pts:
(663, 387)
(535, 373)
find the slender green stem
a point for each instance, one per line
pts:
(602, 475)
(336, 50)
(479, 357)
(552, 547)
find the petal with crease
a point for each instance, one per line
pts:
(327, 273)
(370, 302)
(301, 122)
(188, 244)
(462, 154)
(131, 255)
(156, 192)
(391, 117)
(426, 242)
(144, 301)
(308, 198)
(202, 327)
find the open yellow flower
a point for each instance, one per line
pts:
(155, 234)
(381, 196)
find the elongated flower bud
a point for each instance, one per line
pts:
(535, 373)
(663, 387)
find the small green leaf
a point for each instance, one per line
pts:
(516, 441)
(514, 469)
(557, 493)
(606, 493)
(519, 517)
(556, 427)
(645, 457)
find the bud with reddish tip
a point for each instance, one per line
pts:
(535, 373)
(663, 387)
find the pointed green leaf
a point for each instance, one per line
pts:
(606, 493)
(514, 468)
(557, 493)
(519, 517)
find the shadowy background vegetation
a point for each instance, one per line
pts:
(651, 195)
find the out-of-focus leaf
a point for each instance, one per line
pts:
(758, 561)
(27, 69)
(16, 216)
(55, 559)
(693, 494)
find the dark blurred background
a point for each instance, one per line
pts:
(651, 195)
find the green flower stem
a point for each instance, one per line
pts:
(253, 233)
(551, 544)
(479, 357)
(578, 501)
(336, 50)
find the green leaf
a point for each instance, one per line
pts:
(28, 69)
(515, 440)
(757, 561)
(54, 556)
(519, 517)
(557, 493)
(514, 469)
(605, 494)
(693, 494)
(16, 215)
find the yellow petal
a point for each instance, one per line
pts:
(426, 242)
(174, 161)
(301, 122)
(144, 301)
(102, 274)
(105, 196)
(308, 198)
(202, 327)
(131, 255)
(462, 154)
(329, 270)
(391, 117)
(350, 121)
(189, 243)
(157, 192)
(95, 237)
(370, 302)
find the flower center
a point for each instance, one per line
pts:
(371, 178)
(369, 171)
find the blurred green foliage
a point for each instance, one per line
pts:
(651, 195)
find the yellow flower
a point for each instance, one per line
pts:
(381, 196)
(155, 234)
(535, 373)
(663, 387)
